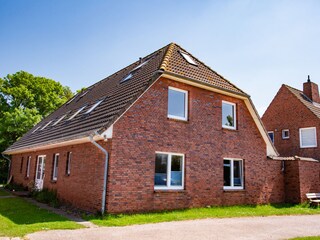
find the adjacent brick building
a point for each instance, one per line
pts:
(170, 132)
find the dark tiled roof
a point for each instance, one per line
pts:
(117, 97)
(313, 107)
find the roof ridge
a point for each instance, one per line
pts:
(167, 56)
(293, 88)
(211, 69)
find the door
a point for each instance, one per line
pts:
(40, 172)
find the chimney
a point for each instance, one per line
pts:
(311, 90)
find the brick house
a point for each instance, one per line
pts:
(166, 132)
(293, 121)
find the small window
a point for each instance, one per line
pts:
(36, 129)
(139, 66)
(59, 120)
(228, 115)
(169, 171)
(308, 137)
(68, 164)
(188, 58)
(70, 100)
(271, 136)
(46, 125)
(76, 113)
(28, 167)
(55, 167)
(21, 165)
(233, 173)
(285, 134)
(177, 104)
(129, 76)
(94, 106)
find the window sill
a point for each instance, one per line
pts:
(234, 190)
(230, 129)
(53, 181)
(309, 147)
(169, 190)
(177, 119)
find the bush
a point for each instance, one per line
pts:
(15, 187)
(48, 196)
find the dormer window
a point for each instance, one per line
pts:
(76, 113)
(188, 58)
(94, 106)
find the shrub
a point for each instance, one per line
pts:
(15, 187)
(48, 196)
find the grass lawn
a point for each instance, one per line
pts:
(200, 213)
(18, 218)
(3, 193)
(306, 238)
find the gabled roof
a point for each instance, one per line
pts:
(312, 106)
(118, 92)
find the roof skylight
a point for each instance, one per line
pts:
(46, 125)
(36, 129)
(76, 113)
(94, 106)
(71, 99)
(188, 58)
(59, 120)
(139, 66)
(129, 76)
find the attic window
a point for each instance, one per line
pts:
(76, 113)
(94, 106)
(71, 99)
(188, 58)
(46, 125)
(129, 76)
(83, 94)
(59, 120)
(139, 66)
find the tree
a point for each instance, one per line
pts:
(24, 101)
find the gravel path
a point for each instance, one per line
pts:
(276, 227)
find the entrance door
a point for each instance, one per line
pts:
(40, 172)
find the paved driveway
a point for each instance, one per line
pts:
(277, 227)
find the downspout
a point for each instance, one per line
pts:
(9, 165)
(105, 175)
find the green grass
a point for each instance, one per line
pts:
(18, 218)
(201, 213)
(306, 238)
(3, 193)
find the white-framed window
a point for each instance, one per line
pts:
(46, 125)
(94, 106)
(308, 137)
(28, 166)
(169, 171)
(188, 58)
(177, 104)
(271, 135)
(76, 113)
(232, 173)
(55, 167)
(59, 120)
(68, 163)
(285, 134)
(229, 115)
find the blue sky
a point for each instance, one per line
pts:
(257, 45)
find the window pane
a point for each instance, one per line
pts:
(227, 115)
(176, 170)
(308, 137)
(160, 178)
(226, 172)
(237, 173)
(56, 162)
(271, 135)
(176, 103)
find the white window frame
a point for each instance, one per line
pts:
(234, 114)
(77, 112)
(232, 175)
(28, 167)
(68, 167)
(283, 134)
(55, 168)
(272, 140)
(94, 106)
(169, 187)
(59, 120)
(300, 137)
(46, 125)
(185, 118)
(188, 58)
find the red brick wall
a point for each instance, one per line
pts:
(145, 129)
(287, 112)
(301, 177)
(83, 188)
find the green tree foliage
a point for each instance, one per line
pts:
(24, 101)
